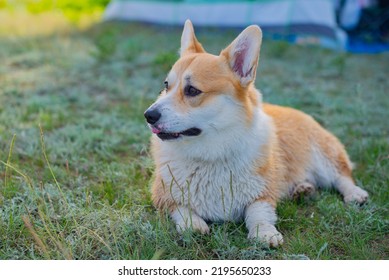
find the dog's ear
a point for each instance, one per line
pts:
(243, 53)
(189, 43)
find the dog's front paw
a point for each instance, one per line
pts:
(266, 234)
(194, 224)
(187, 219)
(357, 195)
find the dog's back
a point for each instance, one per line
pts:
(309, 152)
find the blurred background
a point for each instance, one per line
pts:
(352, 25)
(76, 77)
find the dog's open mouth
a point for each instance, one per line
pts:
(194, 131)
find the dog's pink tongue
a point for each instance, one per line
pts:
(155, 130)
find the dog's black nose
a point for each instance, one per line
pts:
(152, 116)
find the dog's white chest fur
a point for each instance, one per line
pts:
(217, 179)
(216, 192)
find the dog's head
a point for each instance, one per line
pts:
(207, 95)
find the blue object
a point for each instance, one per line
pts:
(357, 45)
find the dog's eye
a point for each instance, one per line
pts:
(166, 84)
(191, 91)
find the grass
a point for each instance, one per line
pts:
(75, 166)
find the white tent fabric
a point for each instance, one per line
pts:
(309, 19)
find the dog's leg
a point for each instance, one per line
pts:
(333, 168)
(351, 193)
(187, 219)
(260, 219)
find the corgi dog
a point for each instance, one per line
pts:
(223, 155)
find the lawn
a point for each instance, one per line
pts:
(75, 167)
